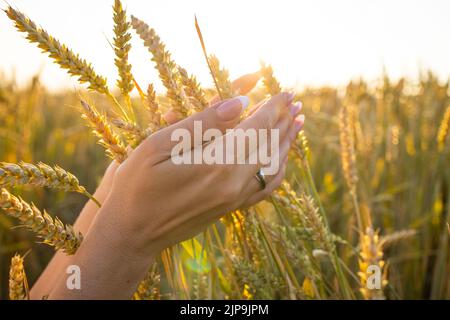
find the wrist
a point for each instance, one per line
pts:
(114, 225)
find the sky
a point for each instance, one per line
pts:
(309, 43)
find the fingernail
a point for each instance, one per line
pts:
(295, 108)
(232, 108)
(299, 122)
(290, 97)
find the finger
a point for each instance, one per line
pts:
(267, 191)
(222, 116)
(280, 159)
(269, 113)
(272, 163)
(242, 85)
(266, 118)
(171, 117)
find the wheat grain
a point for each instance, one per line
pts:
(62, 55)
(166, 67)
(53, 231)
(107, 138)
(18, 286)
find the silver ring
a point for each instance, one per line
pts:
(259, 176)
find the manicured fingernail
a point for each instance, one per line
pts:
(290, 97)
(295, 108)
(232, 108)
(299, 122)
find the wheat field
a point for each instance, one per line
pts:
(368, 181)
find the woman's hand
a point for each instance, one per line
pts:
(60, 261)
(155, 203)
(161, 203)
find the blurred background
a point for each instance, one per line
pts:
(321, 42)
(389, 58)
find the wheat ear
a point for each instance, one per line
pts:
(443, 129)
(371, 255)
(193, 90)
(148, 289)
(122, 47)
(131, 129)
(18, 285)
(40, 175)
(389, 239)
(155, 117)
(271, 84)
(101, 128)
(222, 77)
(166, 67)
(348, 156)
(62, 55)
(53, 231)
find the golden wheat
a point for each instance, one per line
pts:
(371, 257)
(131, 129)
(193, 90)
(148, 289)
(122, 47)
(222, 77)
(348, 156)
(155, 117)
(40, 175)
(390, 239)
(62, 55)
(53, 231)
(166, 67)
(104, 132)
(271, 84)
(443, 129)
(18, 286)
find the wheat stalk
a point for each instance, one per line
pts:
(371, 254)
(122, 47)
(166, 67)
(101, 128)
(443, 129)
(53, 231)
(18, 285)
(40, 175)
